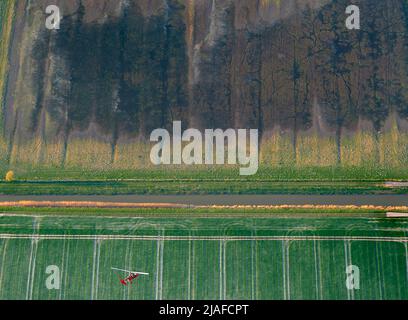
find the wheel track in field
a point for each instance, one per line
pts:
(3, 258)
(204, 238)
(406, 258)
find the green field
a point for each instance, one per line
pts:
(158, 187)
(273, 256)
(203, 173)
(268, 180)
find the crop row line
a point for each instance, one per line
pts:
(203, 238)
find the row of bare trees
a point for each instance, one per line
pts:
(280, 73)
(130, 74)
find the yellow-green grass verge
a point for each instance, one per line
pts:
(154, 209)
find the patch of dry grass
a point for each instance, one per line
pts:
(108, 205)
(313, 207)
(86, 204)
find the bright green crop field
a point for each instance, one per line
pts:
(268, 180)
(213, 256)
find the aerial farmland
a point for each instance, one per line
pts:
(203, 150)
